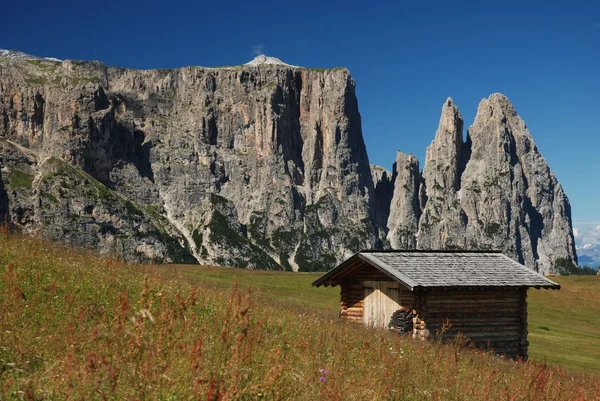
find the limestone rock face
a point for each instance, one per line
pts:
(383, 187)
(405, 208)
(262, 165)
(495, 191)
(442, 214)
(512, 199)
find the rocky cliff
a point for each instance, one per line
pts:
(261, 165)
(492, 191)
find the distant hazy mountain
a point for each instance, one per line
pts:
(588, 255)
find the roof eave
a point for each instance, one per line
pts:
(324, 279)
(551, 284)
(485, 287)
(382, 266)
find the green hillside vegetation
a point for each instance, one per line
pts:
(74, 325)
(567, 268)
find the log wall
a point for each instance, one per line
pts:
(488, 318)
(351, 304)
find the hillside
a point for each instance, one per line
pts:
(572, 345)
(76, 325)
(261, 165)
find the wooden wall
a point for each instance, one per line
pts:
(494, 318)
(488, 318)
(355, 288)
(351, 304)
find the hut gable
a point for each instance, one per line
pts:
(480, 295)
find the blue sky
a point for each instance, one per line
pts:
(406, 56)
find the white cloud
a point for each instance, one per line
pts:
(258, 49)
(586, 233)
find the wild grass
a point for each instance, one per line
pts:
(564, 328)
(74, 325)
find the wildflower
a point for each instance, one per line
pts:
(324, 372)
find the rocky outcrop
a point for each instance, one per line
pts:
(261, 165)
(383, 187)
(494, 191)
(405, 207)
(512, 199)
(442, 221)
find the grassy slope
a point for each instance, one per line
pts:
(286, 287)
(564, 326)
(77, 326)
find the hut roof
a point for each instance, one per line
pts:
(442, 269)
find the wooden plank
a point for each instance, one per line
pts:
(465, 311)
(390, 293)
(450, 315)
(474, 302)
(381, 301)
(357, 314)
(369, 302)
(471, 325)
(474, 329)
(483, 306)
(472, 295)
(357, 264)
(485, 336)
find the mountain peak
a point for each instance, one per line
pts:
(266, 60)
(24, 56)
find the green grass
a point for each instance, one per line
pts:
(321, 70)
(290, 288)
(564, 325)
(74, 325)
(20, 179)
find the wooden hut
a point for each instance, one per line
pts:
(482, 295)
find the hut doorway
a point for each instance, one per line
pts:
(382, 299)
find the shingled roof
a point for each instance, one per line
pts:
(442, 269)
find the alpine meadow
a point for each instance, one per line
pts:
(76, 326)
(213, 201)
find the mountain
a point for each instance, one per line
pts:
(492, 191)
(24, 56)
(588, 255)
(261, 165)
